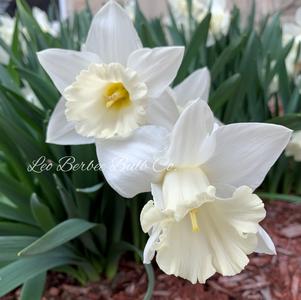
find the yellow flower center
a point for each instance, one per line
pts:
(194, 220)
(116, 96)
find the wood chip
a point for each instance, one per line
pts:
(285, 252)
(217, 287)
(161, 293)
(291, 231)
(253, 286)
(266, 293)
(295, 287)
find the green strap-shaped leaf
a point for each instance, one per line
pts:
(67, 198)
(91, 189)
(42, 213)
(292, 121)
(33, 288)
(43, 88)
(281, 197)
(198, 41)
(57, 236)
(228, 54)
(10, 211)
(11, 245)
(13, 228)
(18, 272)
(225, 92)
(117, 250)
(14, 190)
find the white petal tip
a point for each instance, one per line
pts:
(41, 55)
(181, 49)
(111, 3)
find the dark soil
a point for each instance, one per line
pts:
(266, 277)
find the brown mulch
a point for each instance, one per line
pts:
(266, 277)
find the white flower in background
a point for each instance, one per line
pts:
(220, 19)
(205, 217)
(181, 12)
(111, 86)
(293, 30)
(274, 85)
(130, 7)
(220, 15)
(53, 28)
(29, 94)
(294, 147)
(7, 25)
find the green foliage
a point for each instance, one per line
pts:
(74, 222)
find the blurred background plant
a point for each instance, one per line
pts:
(73, 221)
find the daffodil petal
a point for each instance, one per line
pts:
(150, 216)
(64, 65)
(265, 244)
(112, 35)
(156, 67)
(163, 111)
(228, 247)
(230, 226)
(244, 210)
(298, 17)
(128, 163)
(189, 144)
(291, 30)
(149, 249)
(156, 189)
(294, 147)
(185, 253)
(219, 5)
(244, 153)
(196, 85)
(62, 132)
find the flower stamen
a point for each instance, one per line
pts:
(194, 220)
(116, 96)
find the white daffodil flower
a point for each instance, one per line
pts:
(220, 15)
(29, 95)
(204, 218)
(181, 11)
(294, 147)
(130, 7)
(214, 234)
(293, 30)
(53, 28)
(109, 87)
(7, 25)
